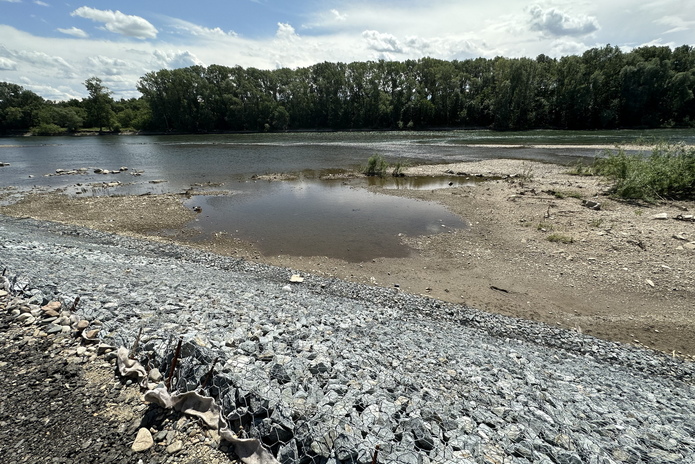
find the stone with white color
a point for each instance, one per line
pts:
(143, 441)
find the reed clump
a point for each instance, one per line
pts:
(667, 173)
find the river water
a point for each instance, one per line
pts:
(305, 217)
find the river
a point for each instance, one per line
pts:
(291, 217)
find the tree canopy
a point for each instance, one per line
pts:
(99, 104)
(604, 88)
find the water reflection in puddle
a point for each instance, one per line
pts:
(424, 182)
(320, 218)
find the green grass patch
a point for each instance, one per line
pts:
(581, 169)
(544, 226)
(668, 172)
(376, 166)
(526, 175)
(398, 168)
(559, 238)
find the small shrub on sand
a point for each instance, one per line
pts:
(558, 238)
(376, 166)
(398, 168)
(581, 169)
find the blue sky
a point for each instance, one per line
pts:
(52, 47)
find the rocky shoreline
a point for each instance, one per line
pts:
(324, 370)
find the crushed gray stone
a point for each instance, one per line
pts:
(329, 370)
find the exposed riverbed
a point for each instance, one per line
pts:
(600, 282)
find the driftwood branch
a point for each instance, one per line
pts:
(174, 362)
(376, 452)
(134, 349)
(208, 376)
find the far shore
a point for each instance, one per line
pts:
(90, 133)
(534, 250)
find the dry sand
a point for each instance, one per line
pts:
(616, 273)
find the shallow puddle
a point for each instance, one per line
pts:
(320, 218)
(425, 182)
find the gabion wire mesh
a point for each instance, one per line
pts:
(313, 420)
(329, 385)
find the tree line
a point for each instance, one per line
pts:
(604, 88)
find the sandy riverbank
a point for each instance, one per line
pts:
(620, 275)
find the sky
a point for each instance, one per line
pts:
(52, 47)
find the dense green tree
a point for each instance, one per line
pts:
(133, 113)
(515, 99)
(573, 95)
(68, 118)
(99, 104)
(18, 107)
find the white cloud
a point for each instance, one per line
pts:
(382, 42)
(448, 48)
(53, 62)
(675, 24)
(119, 23)
(50, 92)
(558, 23)
(338, 16)
(175, 59)
(75, 32)
(11, 1)
(184, 27)
(565, 47)
(102, 65)
(7, 64)
(40, 3)
(286, 32)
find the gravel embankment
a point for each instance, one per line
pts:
(325, 370)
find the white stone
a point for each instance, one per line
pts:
(155, 376)
(143, 441)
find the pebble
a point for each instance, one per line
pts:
(53, 329)
(175, 447)
(154, 375)
(143, 441)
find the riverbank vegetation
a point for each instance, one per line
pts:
(376, 166)
(668, 172)
(604, 88)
